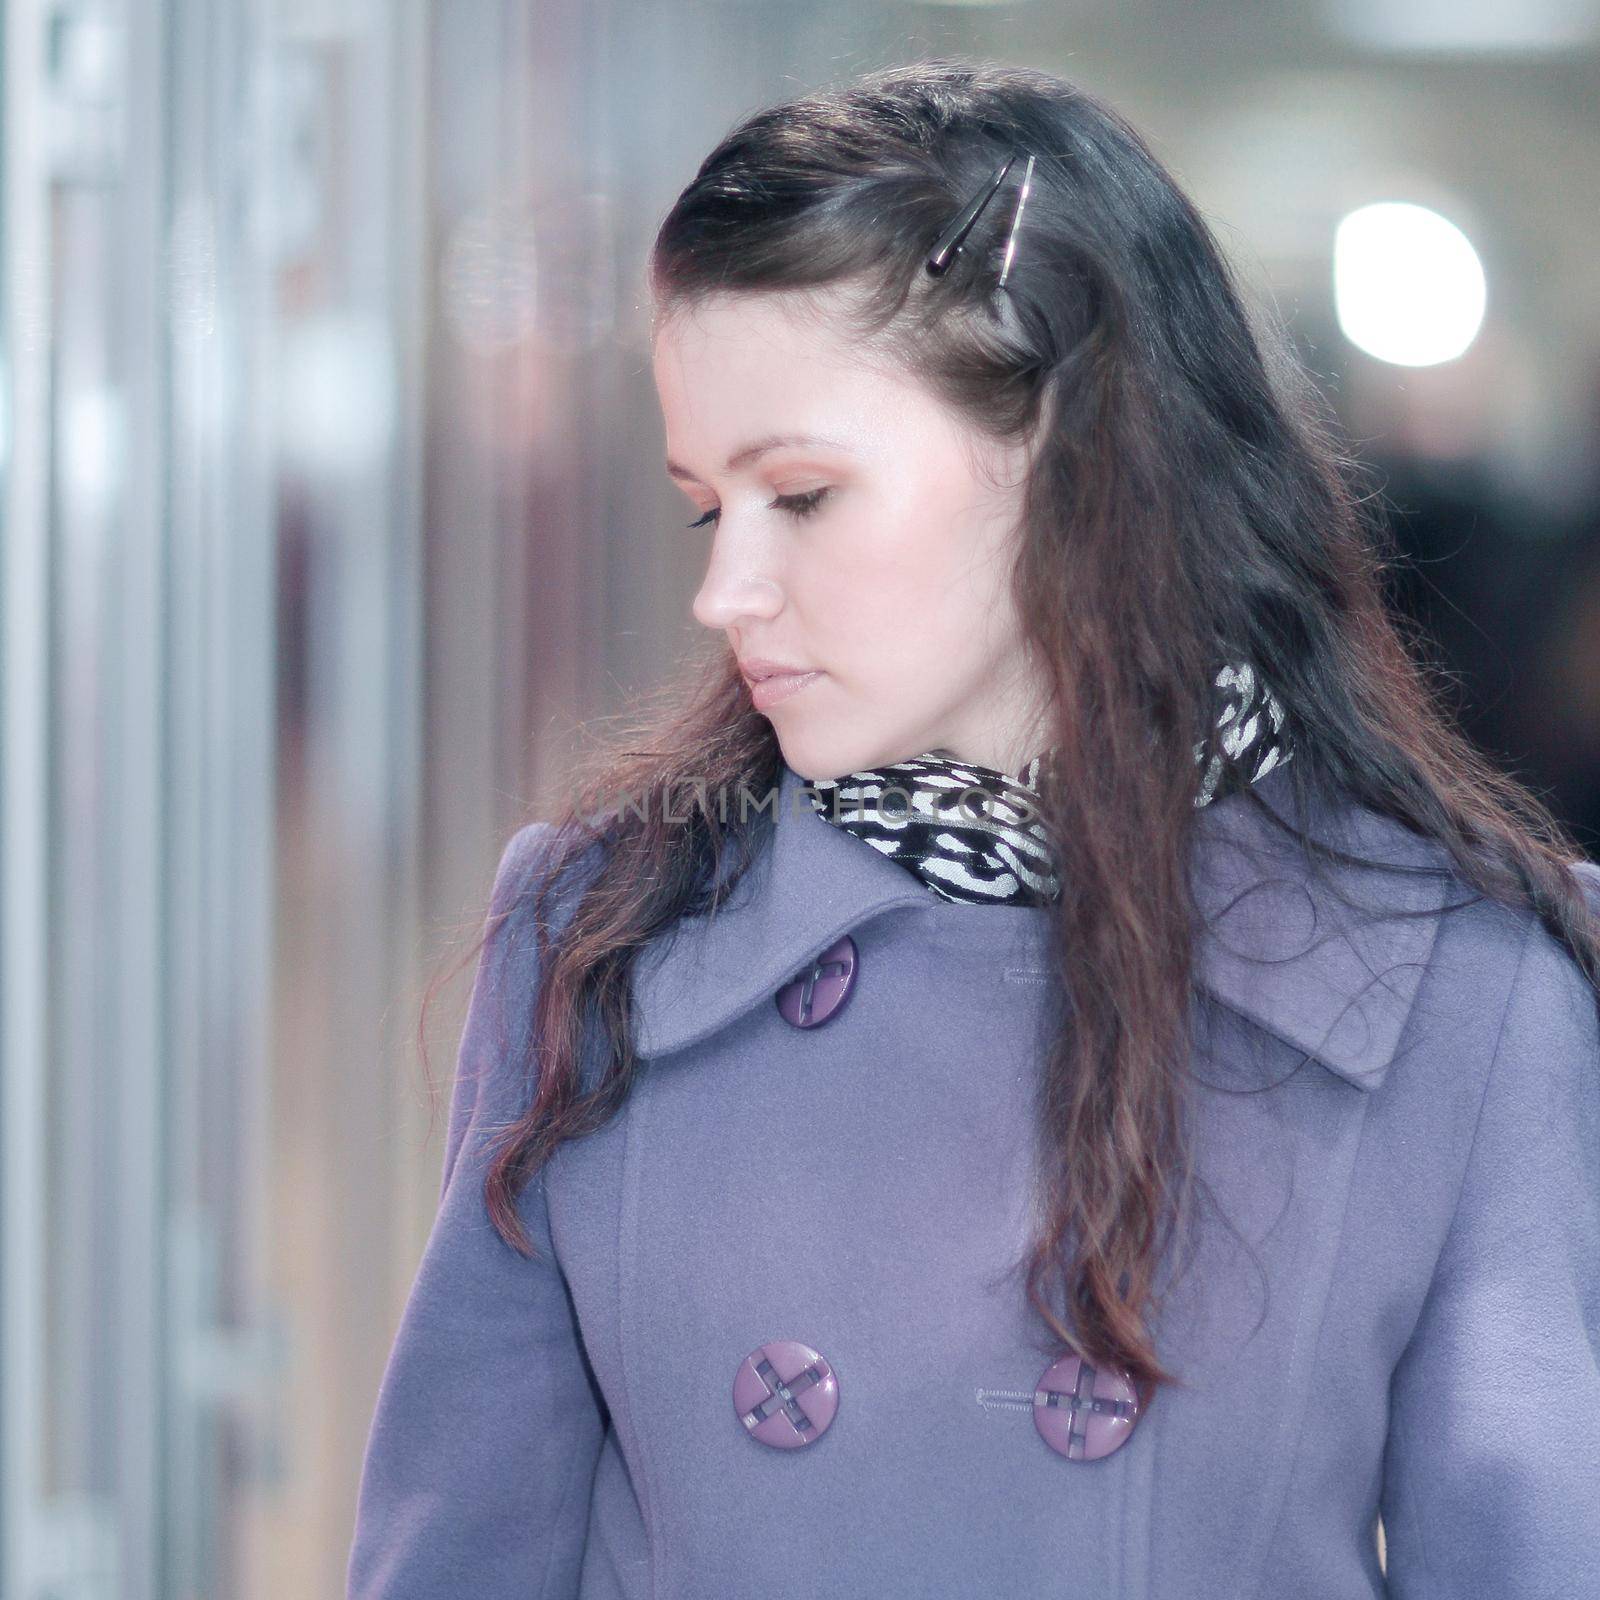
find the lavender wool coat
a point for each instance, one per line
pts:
(1394, 1307)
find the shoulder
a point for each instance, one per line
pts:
(1375, 949)
(538, 882)
(1512, 1021)
(526, 859)
(1485, 948)
(1553, 1004)
(544, 865)
(491, 1083)
(1515, 1284)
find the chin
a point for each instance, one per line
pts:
(819, 757)
(813, 766)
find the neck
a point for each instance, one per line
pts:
(1016, 771)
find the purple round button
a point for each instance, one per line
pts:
(785, 1394)
(1084, 1412)
(817, 993)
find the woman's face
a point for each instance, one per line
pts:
(868, 550)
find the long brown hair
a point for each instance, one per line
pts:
(1189, 504)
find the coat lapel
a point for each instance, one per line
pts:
(1329, 962)
(1325, 966)
(815, 883)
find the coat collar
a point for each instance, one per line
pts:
(1275, 945)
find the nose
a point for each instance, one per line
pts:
(737, 587)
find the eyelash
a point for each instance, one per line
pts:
(797, 505)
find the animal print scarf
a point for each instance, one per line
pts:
(972, 834)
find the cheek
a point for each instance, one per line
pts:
(912, 589)
(855, 586)
(951, 592)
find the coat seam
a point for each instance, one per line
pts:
(1286, 1450)
(1410, 1491)
(626, 1227)
(573, 1476)
(576, 1475)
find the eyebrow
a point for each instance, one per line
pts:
(743, 456)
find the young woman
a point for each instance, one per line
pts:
(1058, 1071)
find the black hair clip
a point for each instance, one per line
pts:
(950, 241)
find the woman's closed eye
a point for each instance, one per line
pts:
(797, 505)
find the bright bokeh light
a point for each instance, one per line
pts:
(1407, 285)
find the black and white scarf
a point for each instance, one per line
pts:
(972, 833)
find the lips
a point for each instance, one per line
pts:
(776, 686)
(757, 669)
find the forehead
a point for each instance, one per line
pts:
(752, 337)
(733, 368)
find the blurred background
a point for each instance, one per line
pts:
(334, 506)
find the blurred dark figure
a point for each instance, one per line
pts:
(1509, 596)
